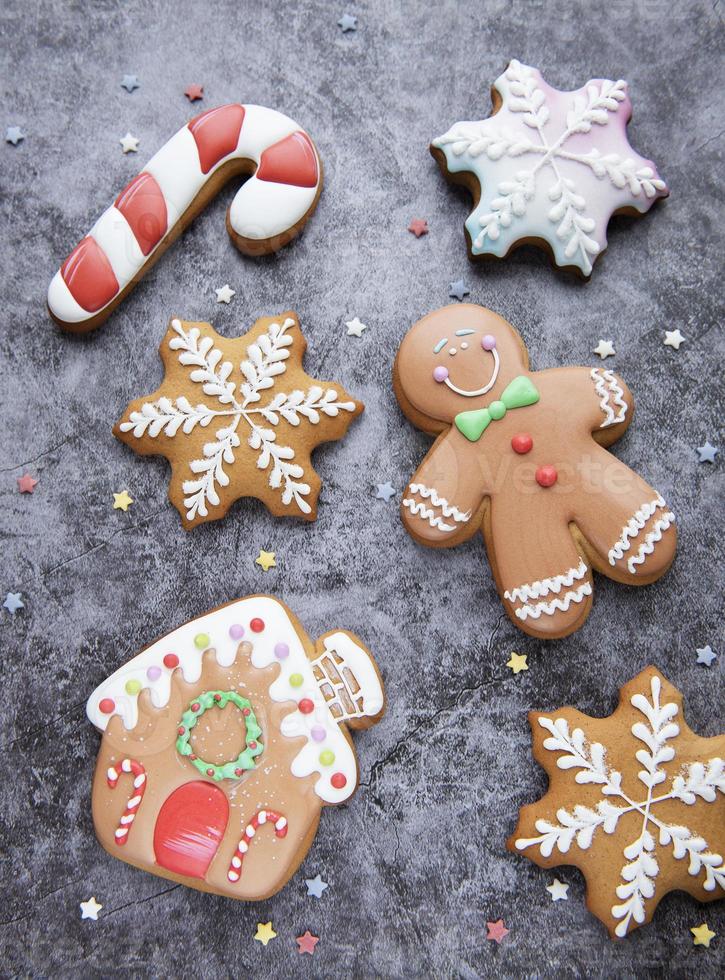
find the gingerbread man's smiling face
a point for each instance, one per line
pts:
(458, 358)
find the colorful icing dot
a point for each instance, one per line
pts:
(107, 706)
(238, 772)
(522, 443)
(153, 673)
(133, 686)
(201, 640)
(327, 757)
(546, 476)
(440, 373)
(195, 706)
(296, 680)
(339, 780)
(236, 631)
(488, 342)
(180, 730)
(318, 733)
(281, 651)
(171, 661)
(257, 625)
(252, 744)
(306, 706)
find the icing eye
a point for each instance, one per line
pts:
(464, 346)
(452, 351)
(440, 373)
(488, 342)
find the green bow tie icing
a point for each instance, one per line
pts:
(518, 394)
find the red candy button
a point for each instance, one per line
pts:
(257, 625)
(522, 443)
(107, 706)
(338, 780)
(306, 706)
(171, 661)
(546, 476)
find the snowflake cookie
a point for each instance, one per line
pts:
(635, 801)
(238, 418)
(548, 167)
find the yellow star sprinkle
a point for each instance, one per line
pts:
(264, 932)
(702, 935)
(266, 560)
(517, 663)
(122, 501)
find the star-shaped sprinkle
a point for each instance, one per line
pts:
(264, 933)
(355, 327)
(194, 92)
(265, 560)
(418, 226)
(129, 143)
(130, 82)
(706, 655)
(13, 134)
(517, 663)
(307, 942)
(673, 338)
(707, 453)
(385, 492)
(224, 294)
(558, 890)
(347, 23)
(13, 602)
(26, 483)
(315, 886)
(497, 931)
(458, 289)
(122, 501)
(90, 909)
(702, 935)
(605, 348)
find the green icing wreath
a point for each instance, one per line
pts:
(245, 759)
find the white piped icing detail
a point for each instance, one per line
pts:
(650, 540)
(609, 391)
(418, 508)
(542, 587)
(549, 608)
(632, 528)
(448, 510)
(278, 629)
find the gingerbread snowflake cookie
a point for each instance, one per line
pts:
(548, 167)
(635, 801)
(222, 742)
(238, 418)
(521, 456)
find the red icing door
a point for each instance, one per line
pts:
(190, 827)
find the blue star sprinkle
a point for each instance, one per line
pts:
(315, 886)
(706, 656)
(707, 453)
(347, 23)
(458, 289)
(13, 135)
(385, 492)
(130, 82)
(13, 602)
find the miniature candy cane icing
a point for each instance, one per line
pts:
(134, 802)
(259, 819)
(266, 213)
(548, 167)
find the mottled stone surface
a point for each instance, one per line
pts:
(416, 861)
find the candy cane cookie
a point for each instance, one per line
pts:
(267, 212)
(134, 801)
(260, 818)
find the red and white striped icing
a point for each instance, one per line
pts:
(134, 801)
(260, 818)
(268, 205)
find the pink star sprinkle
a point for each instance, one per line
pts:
(419, 226)
(26, 483)
(307, 942)
(497, 931)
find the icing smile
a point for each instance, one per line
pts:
(440, 373)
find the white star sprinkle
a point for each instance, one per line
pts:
(355, 327)
(129, 143)
(90, 909)
(224, 294)
(558, 890)
(673, 338)
(605, 348)
(707, 452)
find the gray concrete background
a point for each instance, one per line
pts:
(416, 861)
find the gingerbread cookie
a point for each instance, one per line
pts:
(520, 454)
(635, 802)
(176, 184)
(234, 723)
(238, 418)
(548, 168)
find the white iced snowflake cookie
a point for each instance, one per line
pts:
(238, 418)
(548, 167)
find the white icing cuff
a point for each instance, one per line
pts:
(262, 209)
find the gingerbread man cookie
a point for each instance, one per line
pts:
(175, 185)
(238, 418)
(222, 742)
(636, 801)
(548, 168)
(521, 455)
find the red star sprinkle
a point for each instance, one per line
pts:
(26, 483)
(496, 931)
(194, 92)
(419, 226)
(307, 942)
